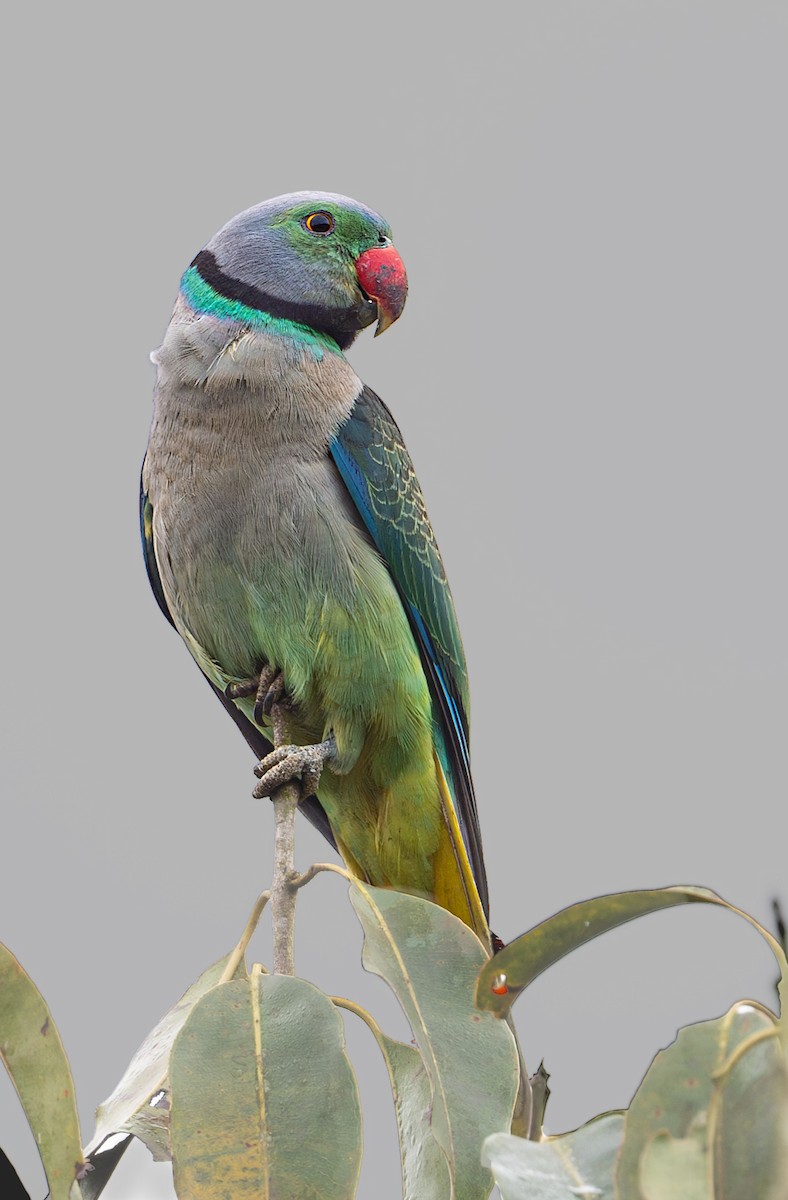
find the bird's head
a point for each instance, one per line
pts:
(311, 258)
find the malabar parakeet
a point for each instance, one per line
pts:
(287, 540)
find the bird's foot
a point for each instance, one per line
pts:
(287, 763)
(268, 689)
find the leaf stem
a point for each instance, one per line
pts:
(719, 1079)
(246, 937)
(743, 1047)
(367, 1018)
(299, 881)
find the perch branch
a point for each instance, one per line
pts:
(283, 893)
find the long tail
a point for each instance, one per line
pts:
(455, 887)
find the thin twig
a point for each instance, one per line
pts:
(283, 894)
(540, 1094)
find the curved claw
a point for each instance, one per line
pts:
(236, 691)
(268, 689)
(273, 694)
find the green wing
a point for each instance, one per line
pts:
(371, 457)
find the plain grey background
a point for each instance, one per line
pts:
(591, 200)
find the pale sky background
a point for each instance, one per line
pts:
(590, 197)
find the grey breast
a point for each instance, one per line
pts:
(249, 509)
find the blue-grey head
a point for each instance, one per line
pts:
(315, 260)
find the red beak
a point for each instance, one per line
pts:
(381, 273)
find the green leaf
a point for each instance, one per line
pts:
(431, 959)
(33, 1053)
(680, 1095)
(264, 1100)
(675, 1168)
(128, 1109)
(522, 960)
(578, 1164)
(425, 1173)
(749, 1122)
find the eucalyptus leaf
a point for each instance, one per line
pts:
(675, 1168)
(425, 1173)
(264, 1100)
(504, 976)
(431, 959)
(680, 1094)
(749, 1123)
(129, 1108)
(578, 1164)
(33, 1054)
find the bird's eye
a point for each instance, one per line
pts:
(319, 222)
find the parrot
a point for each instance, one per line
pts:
(286, 539)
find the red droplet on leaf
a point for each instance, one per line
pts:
(499, 985)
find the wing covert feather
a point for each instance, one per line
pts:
(374, 463)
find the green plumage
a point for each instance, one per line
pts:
(283, 524)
